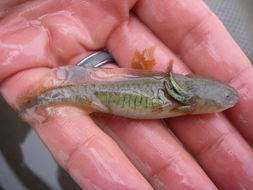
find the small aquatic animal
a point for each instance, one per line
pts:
(134, 93)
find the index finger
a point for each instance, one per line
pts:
(191, 30)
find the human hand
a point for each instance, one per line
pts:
(138, 154)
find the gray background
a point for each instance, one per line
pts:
(237, 16)
(23, 156)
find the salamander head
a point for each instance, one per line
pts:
(201, 95)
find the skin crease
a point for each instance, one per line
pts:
(225, 159)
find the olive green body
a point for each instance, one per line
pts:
(134, 93)
(142, 97)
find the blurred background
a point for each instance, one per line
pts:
(23, 157)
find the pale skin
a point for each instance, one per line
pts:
(124, 153)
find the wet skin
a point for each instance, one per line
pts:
(135, 93)
(39, 35)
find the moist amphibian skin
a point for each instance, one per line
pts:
(134, 93)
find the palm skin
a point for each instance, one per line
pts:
(107, 152)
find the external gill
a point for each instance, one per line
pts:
(179, 94)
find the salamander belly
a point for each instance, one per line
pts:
(134, 100)
(142, 99)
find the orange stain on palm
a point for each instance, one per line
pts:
(145, 59)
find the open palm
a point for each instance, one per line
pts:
(122, 153)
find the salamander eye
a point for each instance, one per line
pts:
(227, 95)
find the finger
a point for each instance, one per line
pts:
(218, 148)
(39, 33)
(77, 144)
(211, 133)
(191, 30)
(241, 113)
(7, 4)
(154, 152)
